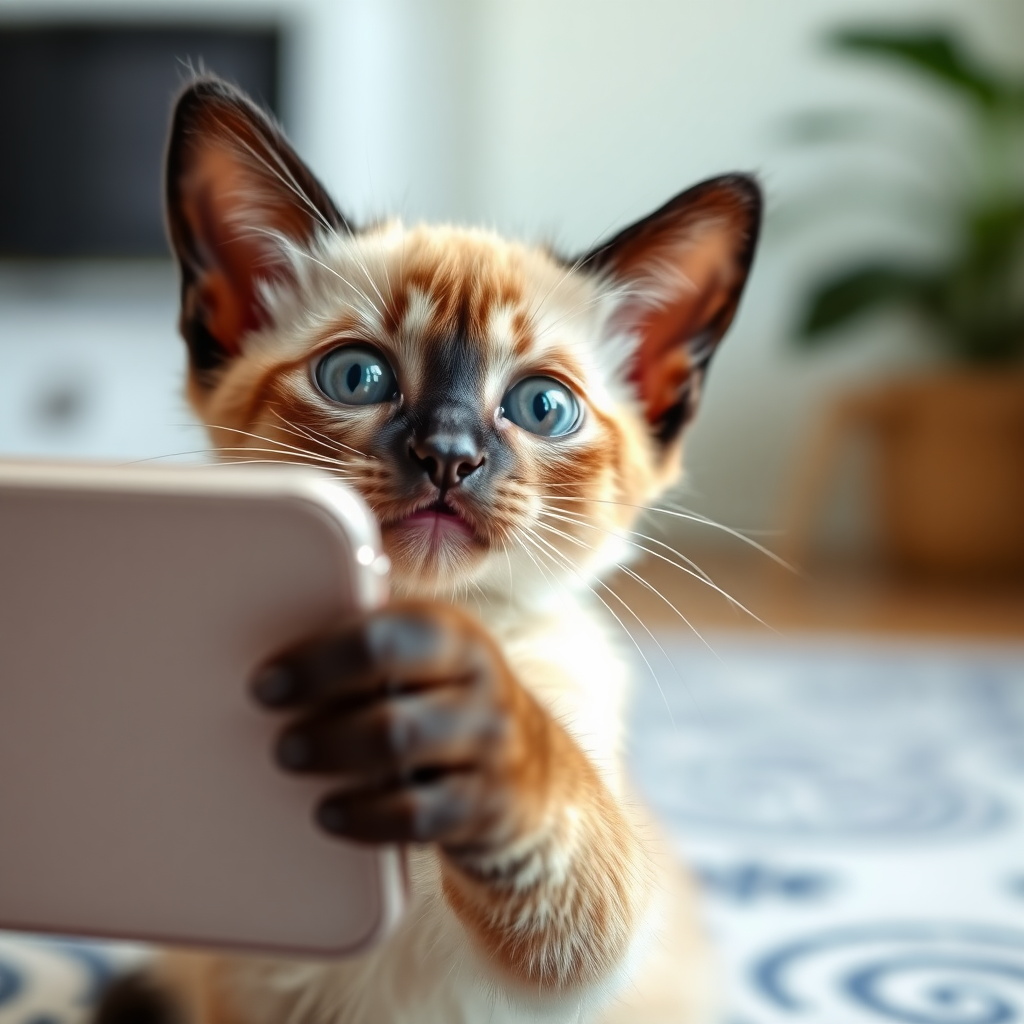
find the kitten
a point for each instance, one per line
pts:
(503, 412)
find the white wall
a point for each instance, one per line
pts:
(564, 119)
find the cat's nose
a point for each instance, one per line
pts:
(446, 458)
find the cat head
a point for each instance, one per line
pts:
(503, 411)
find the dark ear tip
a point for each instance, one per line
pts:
(205, 90)
(740, 191)
(741, 186)
(749, 186)
(205, 101)
(738, 195)
(208, 85)
(741, 181)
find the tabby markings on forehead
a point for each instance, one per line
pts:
(501, 353)
(420, 310)
(500, 331)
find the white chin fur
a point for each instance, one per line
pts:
(423, 567)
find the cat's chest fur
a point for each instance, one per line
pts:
(567, 658)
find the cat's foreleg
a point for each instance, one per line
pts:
(437, 741)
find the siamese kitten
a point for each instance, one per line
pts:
(503, 411)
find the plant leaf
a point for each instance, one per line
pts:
(934, 52)
(854, 293)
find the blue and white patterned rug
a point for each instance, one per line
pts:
(855, 810)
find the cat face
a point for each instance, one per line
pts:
(501, 410)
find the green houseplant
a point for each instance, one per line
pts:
(972, 296)
(950, 466)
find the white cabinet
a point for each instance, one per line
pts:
(91, 365)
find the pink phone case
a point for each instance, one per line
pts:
(138, 797)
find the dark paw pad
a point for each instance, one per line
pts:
(135, 999)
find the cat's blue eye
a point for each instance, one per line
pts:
(542, 405)
(356, 375)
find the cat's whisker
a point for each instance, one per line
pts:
(173, 455)
(336, 474)
(384, 266)
(282, 446)
(588, 254)
(223, 457)
(676, 507)
(526, 551)
(700, 576)
(221, 451)
(302, 436)
(288, 456)
(480, 593)
(297, 250)
(536, 309)
(274, 462)
(767, 552)
(313, 435)
(654, 590)
(626, 537)
(634, 575)
(277, 462)
(644, 583)
(281, 172)
(284, 175)
(587, 304)
(531, 535)
(582, 576)
(582, 519)
(554, 555)
(547, 575)
(361, 263)
(573, 311)
(508, 559)
(745, 538)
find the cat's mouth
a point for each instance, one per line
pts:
(439, 521)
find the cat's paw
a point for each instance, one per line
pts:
(416, 712)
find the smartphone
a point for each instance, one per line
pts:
(138, 796)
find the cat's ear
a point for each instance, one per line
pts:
(237, 197)
(679, 274)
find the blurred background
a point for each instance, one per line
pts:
(864, 419)
(555, 122)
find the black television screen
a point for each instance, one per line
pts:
(83, 118)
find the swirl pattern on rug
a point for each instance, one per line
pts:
(925, 973)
